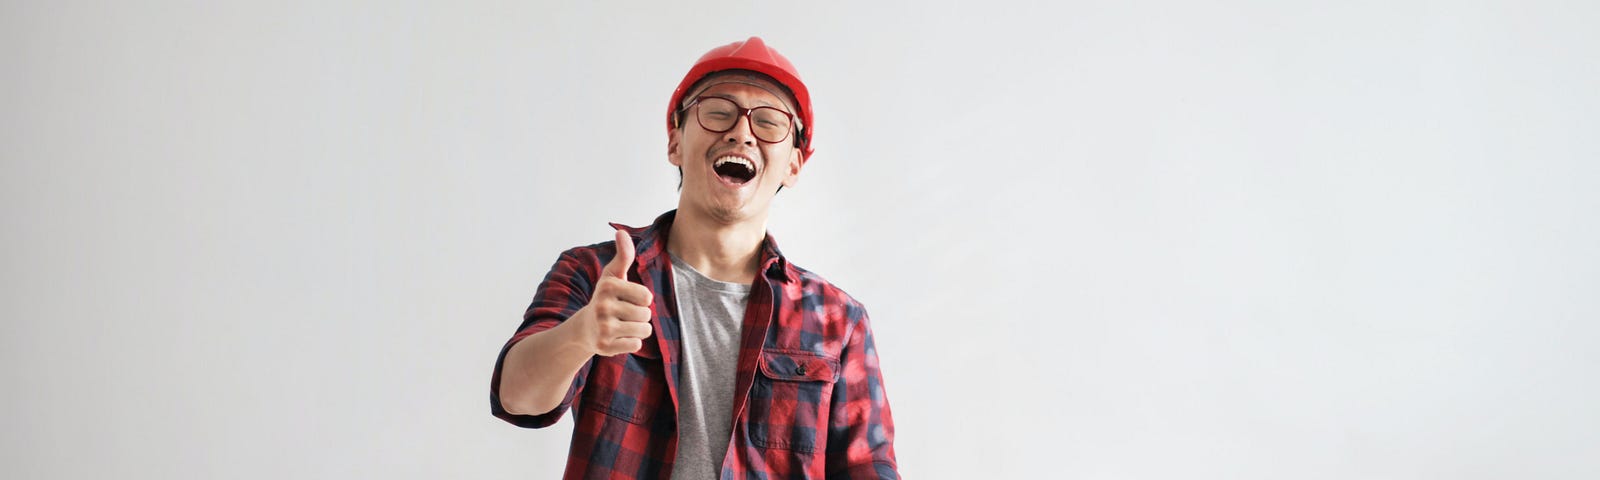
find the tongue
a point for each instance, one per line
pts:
(734, 173)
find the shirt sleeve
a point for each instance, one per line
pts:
(860, 430)
(564, 290)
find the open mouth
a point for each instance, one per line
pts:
(735, 170)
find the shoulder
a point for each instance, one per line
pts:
(584, 261)
(817, 293)
(595, 251)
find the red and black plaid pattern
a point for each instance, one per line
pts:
(810, 401)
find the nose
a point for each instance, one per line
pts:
(740, 133)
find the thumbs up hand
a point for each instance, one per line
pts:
(617, 318)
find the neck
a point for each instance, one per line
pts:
(727, 252)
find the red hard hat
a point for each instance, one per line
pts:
(754, 55)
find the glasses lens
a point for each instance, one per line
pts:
(717, 114)
(769, 124)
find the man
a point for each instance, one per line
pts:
(692, 348)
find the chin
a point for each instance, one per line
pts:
(728, 208)
(732, 210)
(728, 213)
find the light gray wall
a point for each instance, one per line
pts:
(1099, 240)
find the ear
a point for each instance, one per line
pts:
(673, 155)
(796, 161)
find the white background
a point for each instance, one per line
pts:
(1099, 240)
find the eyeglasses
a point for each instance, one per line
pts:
(719, 114)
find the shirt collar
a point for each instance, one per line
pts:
(651, 247)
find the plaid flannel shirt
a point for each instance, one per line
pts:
(810, 401)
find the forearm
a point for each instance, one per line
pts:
(538, 371)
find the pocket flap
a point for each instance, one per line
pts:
(799, 366)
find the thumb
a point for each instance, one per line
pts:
(619, 264)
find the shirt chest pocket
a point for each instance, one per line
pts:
(790, 398)
(629, 387)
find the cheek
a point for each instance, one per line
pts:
(695, 151)
(777, 161)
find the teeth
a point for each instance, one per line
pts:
(733, 159)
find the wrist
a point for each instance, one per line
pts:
(569, 339)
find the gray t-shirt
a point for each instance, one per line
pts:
(711, 315)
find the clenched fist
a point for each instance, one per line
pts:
(617, 318)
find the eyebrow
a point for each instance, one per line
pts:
(758, 101)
